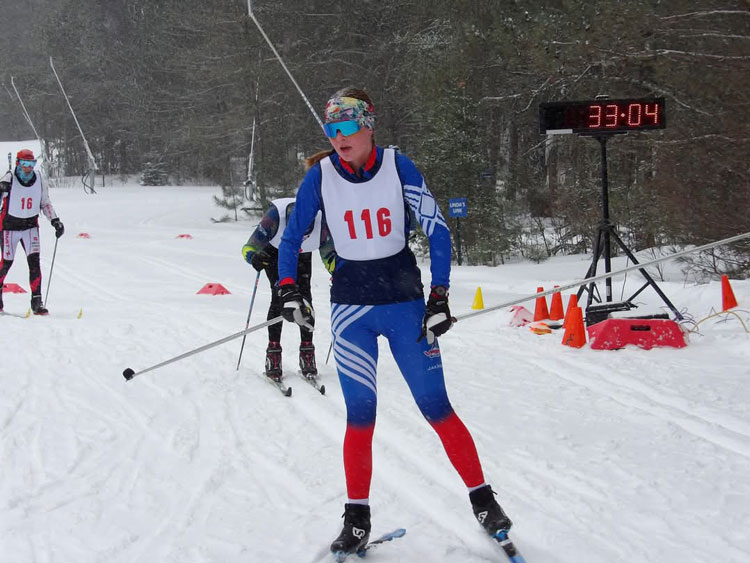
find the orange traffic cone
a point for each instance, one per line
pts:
(575, 332)
(556, 307)
(727, 295)
(572, 302)
(540, 309)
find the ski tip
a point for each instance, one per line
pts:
(322, 389)
(288, 392)
(399, 533)
(128, 374)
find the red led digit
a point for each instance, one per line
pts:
(652, 114)
(634, 115)
(610, 117)
(595, 117)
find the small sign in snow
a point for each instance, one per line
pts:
(457, 207)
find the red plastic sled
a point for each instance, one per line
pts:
(612, 334)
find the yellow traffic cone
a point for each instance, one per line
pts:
(478, 301)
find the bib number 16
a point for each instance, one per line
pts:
(383, 220)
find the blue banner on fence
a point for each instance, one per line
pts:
(457, 207)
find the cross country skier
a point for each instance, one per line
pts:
(367, 195)
(261, 252)
(23, 194)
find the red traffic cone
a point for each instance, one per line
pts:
(572, 302)
(575, 332)
(540, 309)
(728, 300)
(213, 289)
(556, 307)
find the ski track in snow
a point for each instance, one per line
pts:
(598, 457)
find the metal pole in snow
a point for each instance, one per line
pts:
(25, 112)
(92, 161)
(275, 52)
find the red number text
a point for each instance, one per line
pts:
(383, 216)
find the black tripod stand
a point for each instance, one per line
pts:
(602, 246)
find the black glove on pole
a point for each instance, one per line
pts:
(260, 260)
(437, 317)
(295, 308)
(59, 227)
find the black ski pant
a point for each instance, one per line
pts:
(304, 273)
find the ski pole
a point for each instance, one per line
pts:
(605, 275)
(129, 373)
(250, 312)
(49, 277)
(87, 187)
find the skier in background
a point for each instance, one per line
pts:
(261, 252)
(23, 194)
(367, 195)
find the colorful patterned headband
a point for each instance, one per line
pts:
(347, 108)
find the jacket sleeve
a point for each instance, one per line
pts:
(46, 205)
(306, 207)
(263, 233)
(431, 220)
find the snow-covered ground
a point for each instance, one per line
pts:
(598, 456)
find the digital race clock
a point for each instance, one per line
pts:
(602, 116)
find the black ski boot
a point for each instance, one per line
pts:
(307, 359)
(273, 361)
(488, 511)
(356, 530)
(36, 305)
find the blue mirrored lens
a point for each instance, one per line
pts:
(346, 127)
(27, 162)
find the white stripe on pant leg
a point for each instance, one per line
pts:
(351, 314)
(365, 365)
(346, 349)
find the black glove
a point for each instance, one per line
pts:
(59, 228)
(437, 316)
(295, 308)
(260, 260)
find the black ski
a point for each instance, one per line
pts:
(279, 384)
(313, 380)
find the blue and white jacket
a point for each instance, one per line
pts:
(391, 279)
